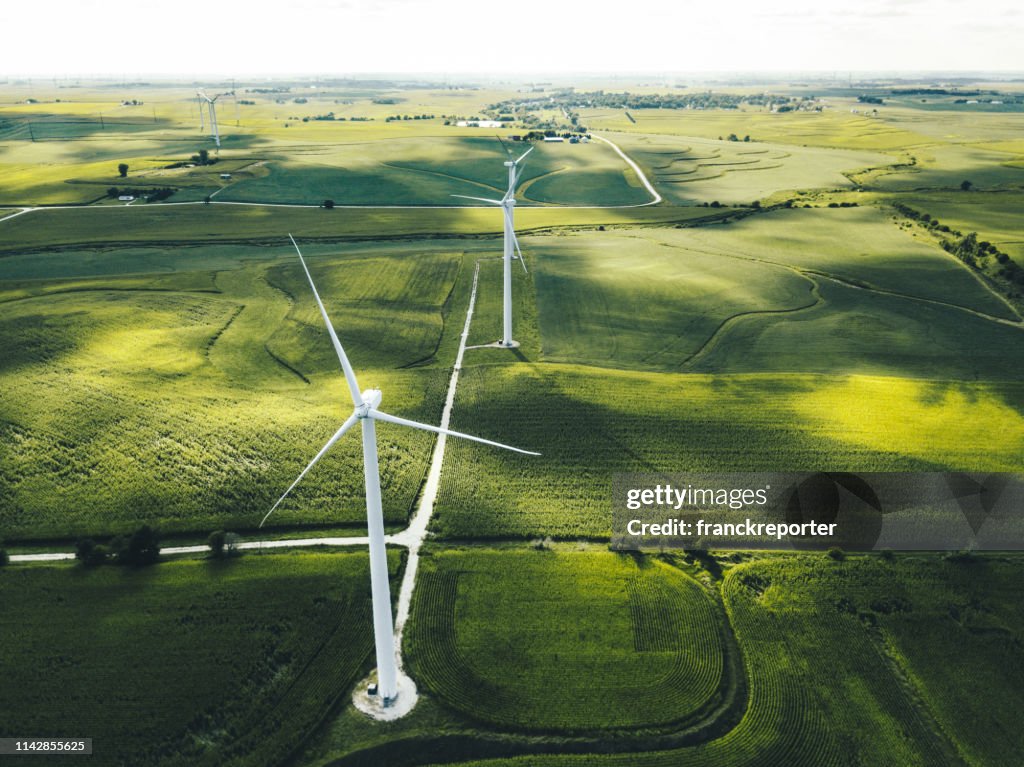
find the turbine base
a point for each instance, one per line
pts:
(380, 709)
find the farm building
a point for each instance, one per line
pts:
(553, 138)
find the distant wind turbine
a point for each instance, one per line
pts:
(367, 413)
(210, 104)
(511, 243)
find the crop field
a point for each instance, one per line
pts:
(164, 362)
(692, 170)
(832, 128)
(429, 171)
(946, 167)
(207, 224)
(992, 216)
(802, 290)
(605, 643)
(178, 419)
(882, 659)
(590, 423)
(190, 662)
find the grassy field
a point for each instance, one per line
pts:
(428, 171)
(208, 224)
(803, 290)
(166, 363)
(889, 661)
(693, 170)
(200, 416)
(563, 641)
(831, 128)
(187, 662)
(590, 423)
(992, 216)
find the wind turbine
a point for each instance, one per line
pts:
(367, 413)
(511, 243)
(211, 105)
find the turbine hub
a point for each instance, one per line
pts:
(510, 164)
(371, 401)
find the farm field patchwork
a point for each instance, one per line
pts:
(165, 363)
(837, 655)
(690, 170)
(415, 171)
(168, 224)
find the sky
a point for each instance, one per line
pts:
(232, 38)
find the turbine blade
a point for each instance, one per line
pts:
(381, 416)
(481, 199)
(337, 435)
(504, 146)
(524, 154)
(515, 241)
(350, 376)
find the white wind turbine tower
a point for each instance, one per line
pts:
(367, 413)
(511, 243)
(211, 105)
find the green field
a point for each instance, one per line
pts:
(200, 416)
(165, 363)
(866, 659)
(188, 662)
(429, 171)
(590, 423)
(644, 648)
(799, 290)
(692, 170)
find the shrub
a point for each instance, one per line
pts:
(89, 554)
(216, 543)
(837, 553)
(141, 548)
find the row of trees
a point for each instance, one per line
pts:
(150, 195)
(140, 548)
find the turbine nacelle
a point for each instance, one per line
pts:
(371, 401)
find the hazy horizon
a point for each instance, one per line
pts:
(460, 37)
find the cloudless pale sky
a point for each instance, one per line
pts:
(81, 37)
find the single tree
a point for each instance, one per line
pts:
(328, 204)
(113, 192)
(123, 169)
(4, 558)
(966, 186)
